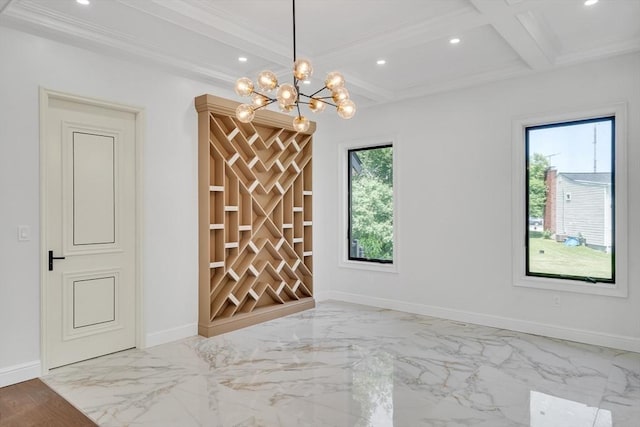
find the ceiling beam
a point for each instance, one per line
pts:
(522, 31)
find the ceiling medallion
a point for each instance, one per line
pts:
(289, 97)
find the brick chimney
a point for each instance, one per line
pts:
(550, 180)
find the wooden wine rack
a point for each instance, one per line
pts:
(255, 224)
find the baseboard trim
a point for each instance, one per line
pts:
(553, 331)
(169, 335)
(322, 295)
(19, 373)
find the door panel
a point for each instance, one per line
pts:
(93, 190)
(90, 303)
(94, 301)
(91, 195)
(90, 221)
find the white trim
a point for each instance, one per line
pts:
(620, 289)
(6, 6)
(19, 373)
(553, 331)
(322, 295)
(138, 112)
(343, 192)
(172, 334)
(90, 36)
(141, 125)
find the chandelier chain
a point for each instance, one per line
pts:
(294, 31)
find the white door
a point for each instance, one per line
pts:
(90, 295)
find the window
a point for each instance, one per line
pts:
(570, 202)
(570, 187)
(370, 204)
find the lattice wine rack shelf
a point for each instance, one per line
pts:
(255, 225)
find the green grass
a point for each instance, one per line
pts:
(550, 257)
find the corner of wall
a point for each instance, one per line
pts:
(169, 335)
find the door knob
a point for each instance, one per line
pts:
(51, 258)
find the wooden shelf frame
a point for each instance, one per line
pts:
(255, 217)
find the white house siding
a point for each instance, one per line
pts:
(584, 213)
(608, 219)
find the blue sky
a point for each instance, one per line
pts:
(570, 148)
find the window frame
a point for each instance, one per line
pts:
(349, 200)
(344, 215)
(527, 129)
(619, 209)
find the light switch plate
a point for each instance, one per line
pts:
(24, 233)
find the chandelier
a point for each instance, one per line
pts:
(289, 97)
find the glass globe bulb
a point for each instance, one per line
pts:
(258, 101)
(316, 105)
(340, 94)
(244, 86)
(287, 94)
(334, 80)
(301, 124)
(286, 108)
(302, 69)
(245, 113)
(267, 80)
(346, 109)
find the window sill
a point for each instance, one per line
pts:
(369, 266)
(564, 285)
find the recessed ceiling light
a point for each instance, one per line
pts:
(307, 82)
(590, 2)
(381, 62)
(454, 40)
(242, 59)
(83, 2)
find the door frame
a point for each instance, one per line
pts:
(139, 117)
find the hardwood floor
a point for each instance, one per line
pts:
(33, 404)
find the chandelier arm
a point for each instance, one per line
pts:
(318, 99)
(271, 101)
(316, 92)
(265, 96)
(328, 103)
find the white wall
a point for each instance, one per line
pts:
(170, 185)
(454, 208)
(454, 165)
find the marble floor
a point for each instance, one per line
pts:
(350, 365)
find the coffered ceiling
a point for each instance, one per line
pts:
(204, 38)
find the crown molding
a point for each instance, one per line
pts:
(601, 52)
(5, 5)
(215, 25)
(90, 36)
